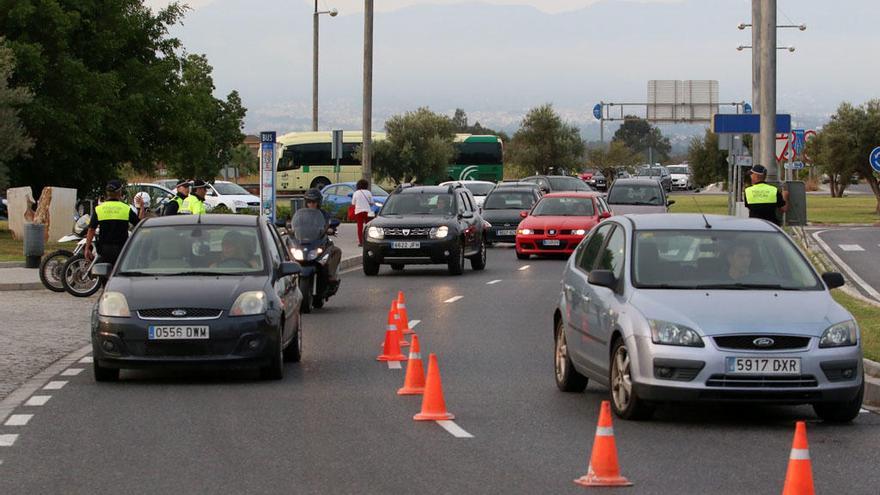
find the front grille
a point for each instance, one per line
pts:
(166, 313)
(412, 233)
(761, 381)
(748, 342)
(186, 349)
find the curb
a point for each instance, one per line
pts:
(12, 264)
(22, 286)
(352, 262)
(872, 383)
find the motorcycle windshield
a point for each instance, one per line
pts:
(308, 225)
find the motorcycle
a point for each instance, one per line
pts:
(52, 264)
(309, 242)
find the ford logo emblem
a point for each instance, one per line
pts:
(178, 313)
(763, 342)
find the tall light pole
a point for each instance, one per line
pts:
(367, 144)
(333, 13)
(756, 74)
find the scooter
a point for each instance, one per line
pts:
(52, 264)
(313, 254)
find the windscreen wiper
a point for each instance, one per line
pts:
(195, 272)
(746, 286)
(135, 273)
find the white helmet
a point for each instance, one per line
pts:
(145, 198)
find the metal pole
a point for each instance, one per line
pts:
(602, 129)
(756, 74)
(366, 148)
(315, 69)
(768, 89)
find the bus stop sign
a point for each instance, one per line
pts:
(267, 175)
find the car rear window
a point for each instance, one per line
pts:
(566, 207)
(509, 200)
(635, 194)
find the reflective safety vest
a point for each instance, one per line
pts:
(113, 210)
(761, 193)
(193, 205)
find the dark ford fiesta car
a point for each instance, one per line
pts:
(426, 225)
(503, 209)
(199, 290)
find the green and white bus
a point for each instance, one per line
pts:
(304, 159)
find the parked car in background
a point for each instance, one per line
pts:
(170, 184)
(159, 195)
(478, 188)
(557, 183)
(337, 197)
(229, 197)
(681, 177)
(503, 208)
(558, 223)
(594, 179)
(638, 195)
(659, 173)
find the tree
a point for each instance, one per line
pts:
(460, 121)
(708, 164)
(14, 141)
(642, 137)
(545, 143)
(418, 146)
(245, 161)
(611, 159)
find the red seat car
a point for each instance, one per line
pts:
(558, 222)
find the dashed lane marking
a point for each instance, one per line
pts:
(8, 440)
(492, 282)
(453, 299)
(871, 291)
(38, 400)
(86, 360)
(19, 420)
(525, 267)
(413, 323)
(454, 429)
(394, 365)
(71, 371)
(55, 385)
(850, 247)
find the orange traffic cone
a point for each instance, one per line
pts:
(391, 348)
(404, 316)
(604, 469)
(433, 405)
(394, 319)
(799, 478)
(414, 383)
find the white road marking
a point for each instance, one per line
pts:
(851, 247)
(8, 440)
(843, 266)
(55, 385)
(864, 411)
(526, 267)
(38, 400)
(394, 365)
(86, 360)
(493, 282)
(413, 323)
(454, 429)
(71, 371)
(19, 419)
(453, 299)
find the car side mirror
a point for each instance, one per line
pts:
(102, 270)
(603, 278)
(289, 268)
(833, 280)
(467, 214)
(670, 202)
(523, 214)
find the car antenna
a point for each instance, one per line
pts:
(708, 225)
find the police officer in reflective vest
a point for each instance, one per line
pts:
(763, 199)
(195, 203)
(113, 217)
(173, 207)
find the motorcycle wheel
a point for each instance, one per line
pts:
(305, 287)
(320, 290)
(77, 281)
(52, 269)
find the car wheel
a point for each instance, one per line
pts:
(624, 400)
(320, 183)
(371, 268)
(456, 261)
(293, 351)
(275, 369)
(103, 374)
(568, 379)
(478, 261)
(52, 269)
(522, 256)
(305, 287)
(841, 412)
(397, 267)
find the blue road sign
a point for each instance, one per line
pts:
(875, 159)
(597, 111)
(799, 142)
(267, 175)
(747, 123)
(794, 165)
(747, 108)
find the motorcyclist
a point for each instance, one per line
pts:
(313, 201)
(173, 207)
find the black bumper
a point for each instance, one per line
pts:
(657, 393)
(430, 251)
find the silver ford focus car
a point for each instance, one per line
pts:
(680, 308)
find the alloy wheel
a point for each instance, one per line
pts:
(561, 357)
(621, 379)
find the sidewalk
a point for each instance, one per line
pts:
(17, 278)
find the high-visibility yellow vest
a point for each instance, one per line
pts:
(113, 210)
(761, 193)
(193, 205)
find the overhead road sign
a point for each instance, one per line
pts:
(747, 123)
(875, 159)
(747, 108)
(597, 111)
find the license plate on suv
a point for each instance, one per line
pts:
(763, 366)
(506, 232)
(178, 332)
(406, 245)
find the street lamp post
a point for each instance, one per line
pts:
(333, 13)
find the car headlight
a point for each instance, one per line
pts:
(376, 233)
(525, 231)
(440, 232)
(113, 304)
(298, 254)
(579, 232)
(840, 335)
(249, 303)
(240, 204)
(666, 333)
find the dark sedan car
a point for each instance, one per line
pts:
(559, 183)
(503, 209)
(198, 290)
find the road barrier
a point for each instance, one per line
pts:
(604, 470)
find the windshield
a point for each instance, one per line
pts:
(193, 249)
(566, 207)
(678, 170)
(568, 184)
(635, 194)
(228, 188)
(650, 172)
(705, 259)
(509, 200)
(308, 224)
(419, 204)
(378, 191)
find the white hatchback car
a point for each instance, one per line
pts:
(231, 197)
(478, 188)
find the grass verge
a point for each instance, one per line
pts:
(868, 317)
(13, 250)
(821, 209)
